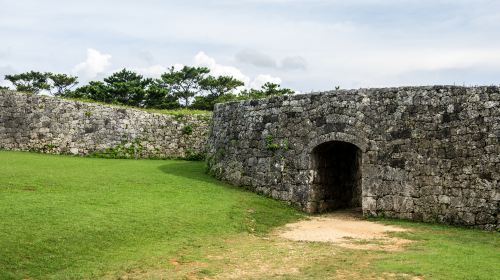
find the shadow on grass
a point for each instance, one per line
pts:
(273, 212)
(192, 170)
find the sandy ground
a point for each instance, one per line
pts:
(287, 251)
(345, 228)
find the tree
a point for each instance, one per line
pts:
(230, 97)
(267, 90)
(250, 94)
(127, 87)
(4, 88)
(62, 83)
(95, 90)
(216, 88)
(32, 82)
(220, 85)
(272, 89)
(123, 87)
(158, 97)
(185, 83)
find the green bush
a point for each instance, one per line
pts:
(187, 130)
(194, 156)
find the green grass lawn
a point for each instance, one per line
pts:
(444, 252)
(64, 217)
(68, 217)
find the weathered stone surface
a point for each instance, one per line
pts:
(46, 124)
(428, 153)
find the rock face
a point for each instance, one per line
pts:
(46, 124)
(422, 153)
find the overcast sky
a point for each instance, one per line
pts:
(304, 44)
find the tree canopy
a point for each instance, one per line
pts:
(31, 82)
(215, 87)
(127, 87)
(62, 83)
(184, 83)
(35, 82)
(192, 87)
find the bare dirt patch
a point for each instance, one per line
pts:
(282, 255)
(346, 229)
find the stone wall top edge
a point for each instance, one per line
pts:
(361, 91)
(91, 104)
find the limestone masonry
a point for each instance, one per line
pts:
(52, 125)
(420, 153)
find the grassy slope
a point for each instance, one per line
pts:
(175, 112)
(445, 252)
(68, 217)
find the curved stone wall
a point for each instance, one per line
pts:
(52, 125)
(427, 153)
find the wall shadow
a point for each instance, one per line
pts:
(191, 170)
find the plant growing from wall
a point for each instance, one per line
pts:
(126, 150)
(285, 145)
(194, 156)
(270, 145)
(187, 129)
(276, 147)
(179, 116)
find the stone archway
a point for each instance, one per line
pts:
(336, 181)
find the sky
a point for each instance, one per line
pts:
(306, 45)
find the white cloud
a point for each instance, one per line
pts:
(5, 83)
(458, 58)
(383, 65)
(94, 64)
(201, 59)
(262, 60)
(153, 71)
(256, 58)
(261, 79)
(6, 70)
(178, 66)
(294, 63)
(346, 43)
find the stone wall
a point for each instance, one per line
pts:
(52, 125)
(426, 153)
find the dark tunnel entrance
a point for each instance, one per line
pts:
(337, 176)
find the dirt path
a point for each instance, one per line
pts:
(284, 255)
(346, 229)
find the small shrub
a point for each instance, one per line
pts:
(125, 150)
(286, 145)
(270, 145)
(49, 147)
(187, 130)
(194, 156)
(178, 116)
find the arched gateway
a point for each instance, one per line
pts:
(424, 153)
(337, 180)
